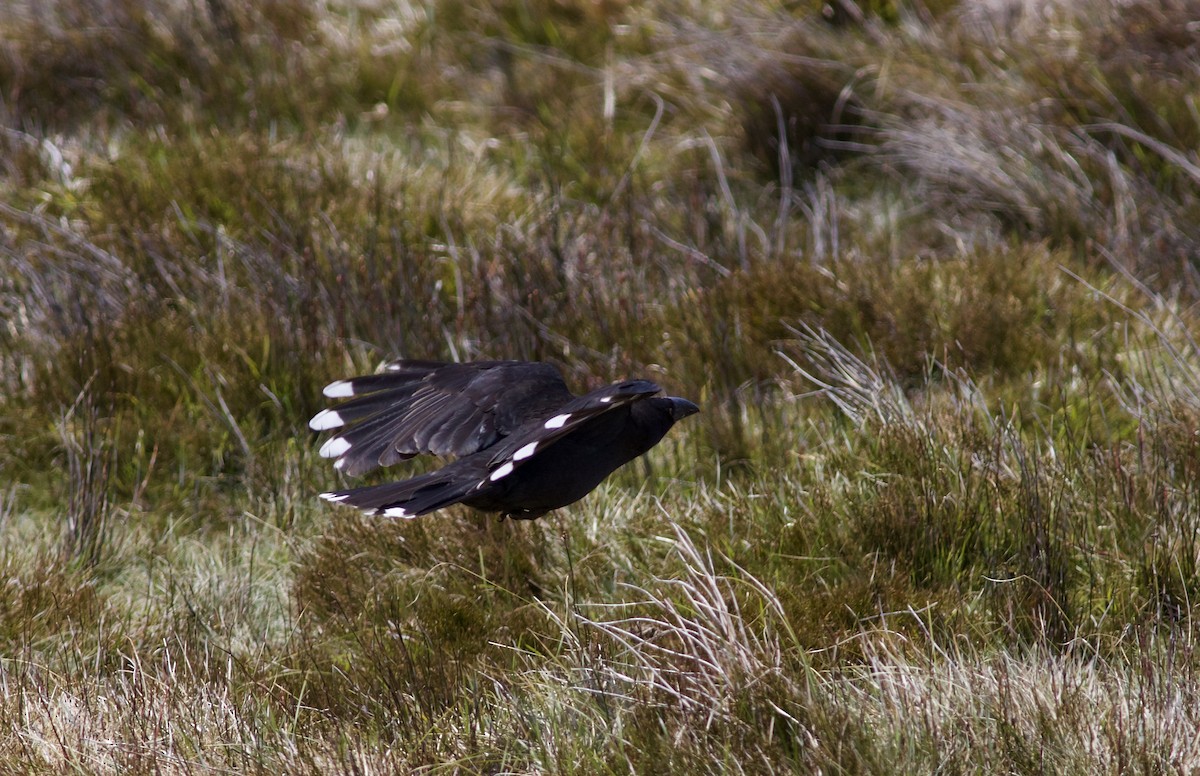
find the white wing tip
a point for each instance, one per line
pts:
(325, 420)
(334, 497)
(339, 389)
(334, 448)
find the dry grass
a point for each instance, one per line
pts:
(928, 267)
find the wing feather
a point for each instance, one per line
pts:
(538, 435)
(415, 407)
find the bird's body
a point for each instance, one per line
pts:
(525, 444)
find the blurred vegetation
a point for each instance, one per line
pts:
(930, 268)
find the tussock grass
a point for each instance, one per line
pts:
(928, 268)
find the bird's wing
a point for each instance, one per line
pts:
(415, 407)
(463, 478)
(535, 438)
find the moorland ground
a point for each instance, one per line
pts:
(929, 268)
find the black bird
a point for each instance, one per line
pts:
(524, 443)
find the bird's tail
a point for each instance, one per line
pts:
(407, 499)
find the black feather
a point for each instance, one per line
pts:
(525, 444)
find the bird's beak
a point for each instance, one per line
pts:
(681, 408)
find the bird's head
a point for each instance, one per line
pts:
(681, 408)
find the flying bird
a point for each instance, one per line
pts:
(523, 443)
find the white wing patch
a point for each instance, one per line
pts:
(339, 390)
(525, 451)
(503, 471)
(558, 420)
(398, 512)
(325, 420)
(605, 399)
(334, 448)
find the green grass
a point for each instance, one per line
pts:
(931, 274)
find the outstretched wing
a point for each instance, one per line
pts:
(409, 498)
(479, 478)
(415, 407)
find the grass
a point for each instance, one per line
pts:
(929, 269)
